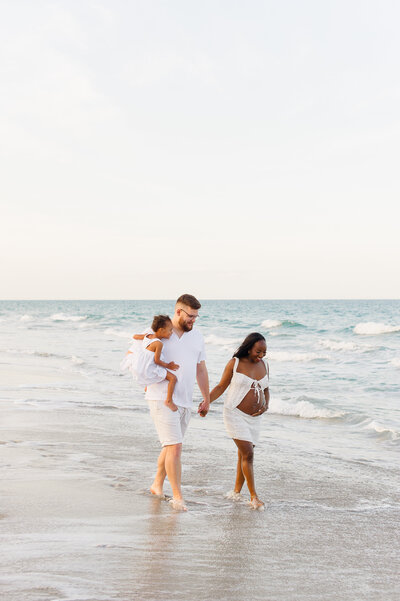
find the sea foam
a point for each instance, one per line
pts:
(271, 323)
(384, 431)
(338, 345)
(372, 328)
(64, 317)
(220, 341)
(281, 356)
(26, 318)
(303, 409)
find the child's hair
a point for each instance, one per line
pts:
(247, 344)
(159, 321)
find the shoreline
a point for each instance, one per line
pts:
(78, 523)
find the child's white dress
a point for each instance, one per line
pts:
(140, 361)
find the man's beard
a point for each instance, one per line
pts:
(186, 327)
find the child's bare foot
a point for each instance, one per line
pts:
(257, 504)
(171, 405)
(178, 504)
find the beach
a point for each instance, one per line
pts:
(78, 452)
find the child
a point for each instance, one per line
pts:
(146, 362)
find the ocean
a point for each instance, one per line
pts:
(79, 451)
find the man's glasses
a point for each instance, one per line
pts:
(190, 316)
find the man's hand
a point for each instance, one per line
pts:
(203, 408)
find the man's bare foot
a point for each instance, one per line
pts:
(157, 492)
(171, 405)
(257, 504)
(178, 504)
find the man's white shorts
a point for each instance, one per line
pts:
(170, 425)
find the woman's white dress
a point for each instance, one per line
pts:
(238, 424)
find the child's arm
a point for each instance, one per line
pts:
(157, 354)
(138, 336)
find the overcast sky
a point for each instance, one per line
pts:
(231, 149)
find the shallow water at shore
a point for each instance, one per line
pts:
(78, 451)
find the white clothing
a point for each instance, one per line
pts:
(187, 351)
(241, 384)
(170, 425)
(148, 372)
(140, 361)
(238, 424)
(242, 426)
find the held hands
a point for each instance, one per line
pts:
(172, 365)
(203, 408)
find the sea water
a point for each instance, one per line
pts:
(328, 451)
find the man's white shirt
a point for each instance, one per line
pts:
(187, 351)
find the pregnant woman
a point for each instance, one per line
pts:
(247, 376)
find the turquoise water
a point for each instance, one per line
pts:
(335, 365)
(79, 450)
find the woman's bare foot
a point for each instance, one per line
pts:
(171, 405)
(233, 495)
(157, 492)
(257, 504)
(178, 504)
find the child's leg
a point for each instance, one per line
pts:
(171, 386)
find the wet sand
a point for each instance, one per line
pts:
(77, 522)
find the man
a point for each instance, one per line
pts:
(186, 348)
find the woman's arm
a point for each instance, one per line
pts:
(138, 336)
(224, 382)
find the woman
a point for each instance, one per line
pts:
(247, 376)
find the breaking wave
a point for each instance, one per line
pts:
(220, 341)
(276, 323)
(281, 356)
(64, 317)
(271, 323)
(383, 431)
(302, 408)
(26, 318)
(372, 328)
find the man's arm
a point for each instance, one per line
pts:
(202, 381)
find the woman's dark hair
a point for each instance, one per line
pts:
(159, 321)
(247, 344)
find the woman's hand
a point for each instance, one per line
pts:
(263, 409)
(203, 408)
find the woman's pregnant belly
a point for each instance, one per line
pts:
(250, 403)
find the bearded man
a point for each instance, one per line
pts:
(186, 348)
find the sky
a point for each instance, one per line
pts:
(229, 149)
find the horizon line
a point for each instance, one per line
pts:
(204, 299)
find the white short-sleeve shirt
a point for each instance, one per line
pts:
(187, 351)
